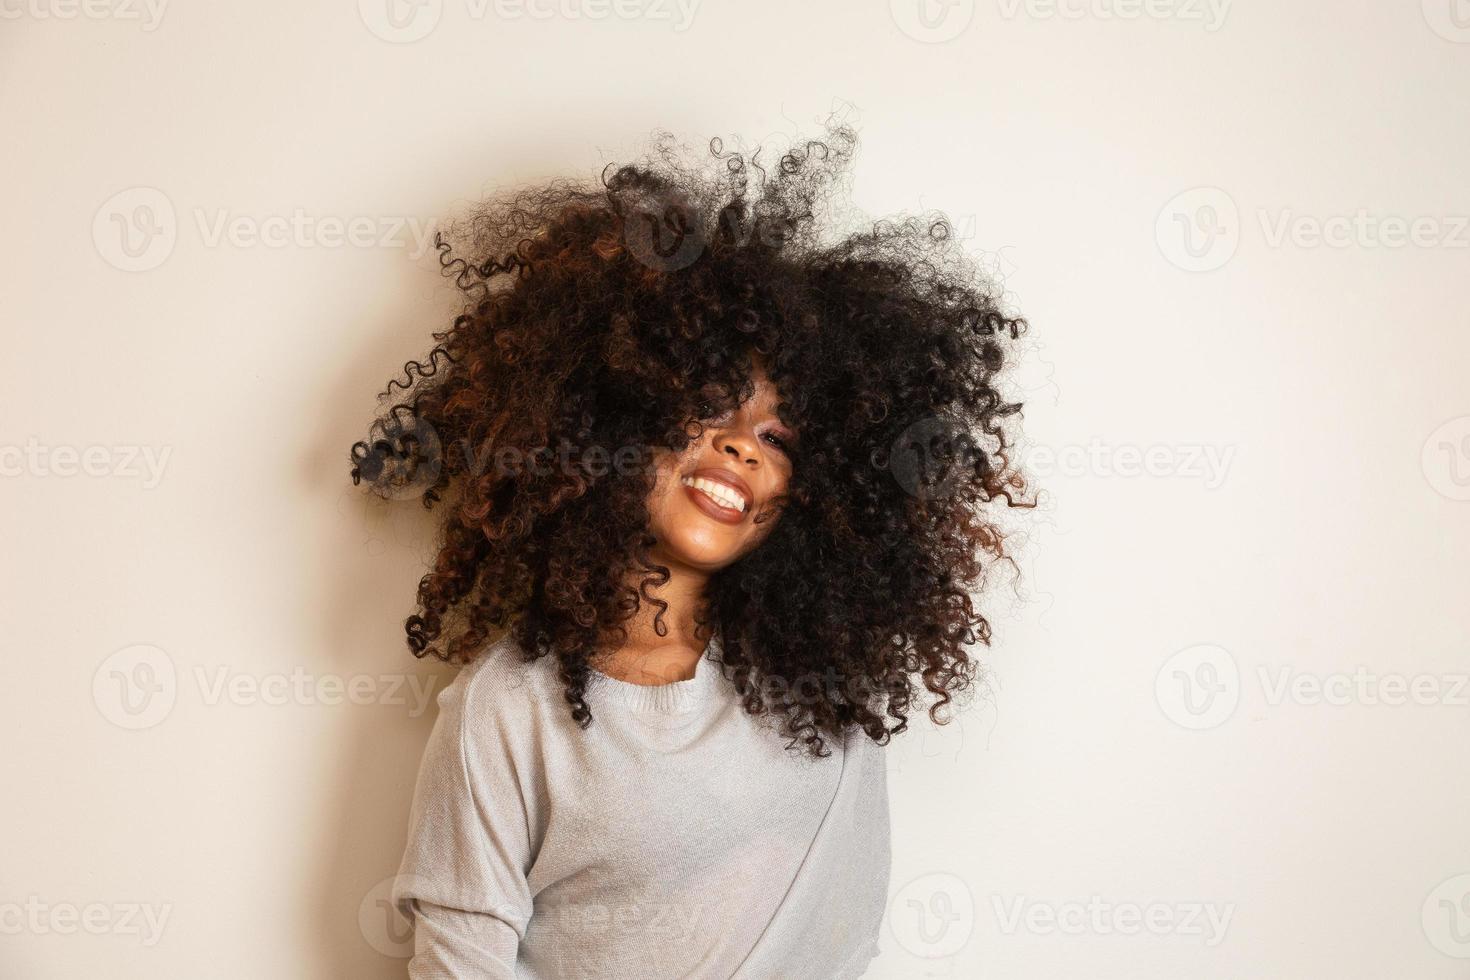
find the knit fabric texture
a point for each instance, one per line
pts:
(676, 837)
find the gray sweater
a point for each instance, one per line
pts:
(676, 837)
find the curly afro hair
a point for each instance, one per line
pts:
(607, 318)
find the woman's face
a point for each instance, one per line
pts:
(719, 499)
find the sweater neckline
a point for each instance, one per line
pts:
(673, 697)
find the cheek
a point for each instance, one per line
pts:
(770, 511)
(666, 469)
(777, 487)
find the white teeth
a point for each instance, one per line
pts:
(721, 493)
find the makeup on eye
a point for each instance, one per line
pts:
(780, 437)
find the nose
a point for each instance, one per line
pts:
(740, 444)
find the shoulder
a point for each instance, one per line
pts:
(499, 687)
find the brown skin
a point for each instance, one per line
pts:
(692, 544)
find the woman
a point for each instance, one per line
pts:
(719, 497)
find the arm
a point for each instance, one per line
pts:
(451, 943)
(463, 878)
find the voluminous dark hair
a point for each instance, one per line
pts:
(606, 318)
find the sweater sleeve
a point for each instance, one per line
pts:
(462, 882)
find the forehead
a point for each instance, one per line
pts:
(766, 395)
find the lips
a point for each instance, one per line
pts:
(728, 482)
(729, 479)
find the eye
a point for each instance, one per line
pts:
(708, 413)
(779, 441)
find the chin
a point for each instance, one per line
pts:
(699, 553)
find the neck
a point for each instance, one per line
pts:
(645, 657)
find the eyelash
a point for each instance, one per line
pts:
(705, 413)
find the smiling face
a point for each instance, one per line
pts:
(720, 498)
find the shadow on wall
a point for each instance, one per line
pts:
(385, 548)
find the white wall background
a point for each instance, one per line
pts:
(1141, 768)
